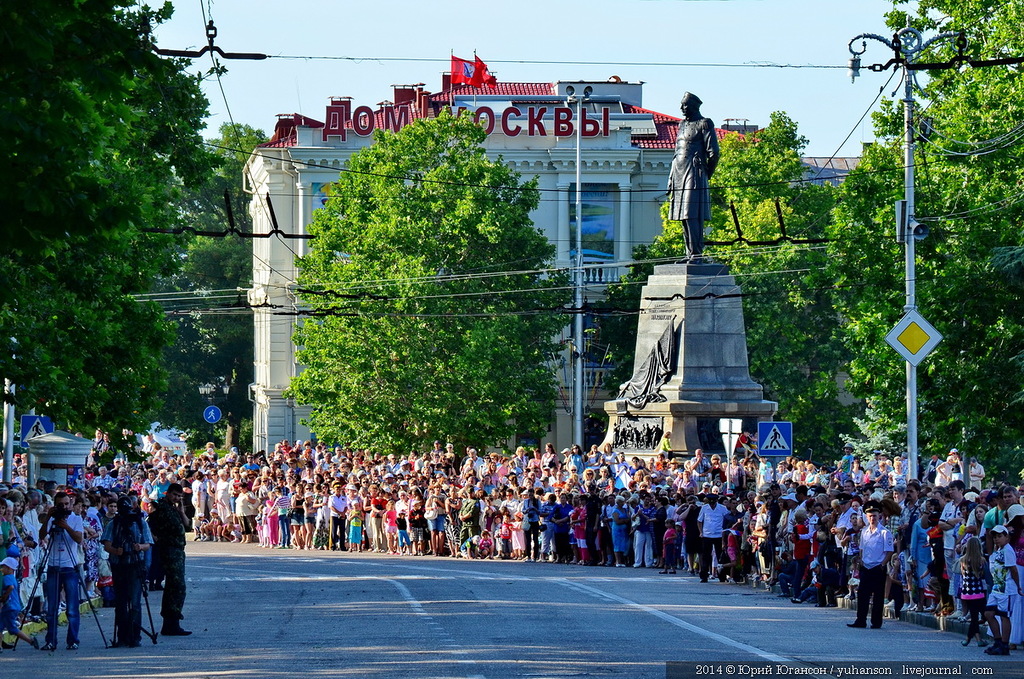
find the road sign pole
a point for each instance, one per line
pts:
(910, 264)
(8, 431)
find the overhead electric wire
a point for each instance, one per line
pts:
(550, 62)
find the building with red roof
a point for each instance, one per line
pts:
(626, 153)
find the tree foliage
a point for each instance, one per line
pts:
(101, 134)
(968, 186)
(212, 345)
(431, 312)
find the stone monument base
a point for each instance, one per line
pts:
(686, 386)
(694, 424)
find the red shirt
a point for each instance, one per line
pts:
(801, 545)
(670, 536)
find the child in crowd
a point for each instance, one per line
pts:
(202, 529)
(391, 527)
(213, 527)
(235, 529)
(355, 527)
(852, 584)
(505, 533)
(404, 543)
(789, 576)
(668, 548)
(896, 579)
(485, 548)
(973, 587)
(10, 602)
(518, 537)
(578, 530)
(1003, 564)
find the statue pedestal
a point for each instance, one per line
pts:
(710, 376)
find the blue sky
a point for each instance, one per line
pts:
(662, 33)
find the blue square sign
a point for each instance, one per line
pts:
(33, 426)
(775, 438)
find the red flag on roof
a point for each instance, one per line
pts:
(481, 76)
(473, 73)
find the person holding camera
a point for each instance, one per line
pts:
(64, 532)
(127, 538)
(167, 524)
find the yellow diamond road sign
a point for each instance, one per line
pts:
(913, 337)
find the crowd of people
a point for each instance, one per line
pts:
(944, 543)
(64, 545)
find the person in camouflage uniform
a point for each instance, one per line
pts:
(167, 523)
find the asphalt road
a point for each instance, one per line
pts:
(259, 613)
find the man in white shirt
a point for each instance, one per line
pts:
(711, 522)
(337, 509)
(977, 474)
(104, 480)
(876, 548)
(64, 531)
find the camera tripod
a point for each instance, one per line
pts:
(55, 533)
(129, 611)
(129, 573)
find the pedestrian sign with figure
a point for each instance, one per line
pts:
(33, 426)
(775, 438)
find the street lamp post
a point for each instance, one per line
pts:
(210, 391)
(907, 45)
(579, 343)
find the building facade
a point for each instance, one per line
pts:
(626, 152)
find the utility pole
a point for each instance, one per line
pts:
(579, 387)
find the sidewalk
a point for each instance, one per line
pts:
(34, 628)
(942, 624)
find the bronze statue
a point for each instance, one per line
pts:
(692, 166)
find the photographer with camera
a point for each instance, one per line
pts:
(126, 539)
(64, 532)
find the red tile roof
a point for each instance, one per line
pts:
(284, 131)
(667, 126)
(503, 89)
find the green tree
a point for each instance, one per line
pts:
(968, 185)
(431, 310)
(212, 344)
(789, 316)
(103, 133)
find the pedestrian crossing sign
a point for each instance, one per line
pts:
(775, 438)
(33, 426)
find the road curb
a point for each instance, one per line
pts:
(942, 624)
(34, 628)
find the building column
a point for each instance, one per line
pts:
(563, 237)
(304, 217)
(624, 230)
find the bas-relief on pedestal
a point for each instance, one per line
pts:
(691, 366)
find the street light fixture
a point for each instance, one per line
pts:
(210, 391)
(907, 45)
(579, 387)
